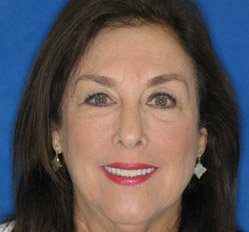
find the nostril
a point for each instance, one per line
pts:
(130, 142)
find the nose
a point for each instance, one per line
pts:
(130, 129)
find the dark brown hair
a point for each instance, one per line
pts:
(44, 199)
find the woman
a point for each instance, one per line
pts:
(128, 123)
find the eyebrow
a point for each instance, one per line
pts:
(103, 80)
(158, 80)
(155, 81)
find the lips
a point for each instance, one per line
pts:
(128, 174)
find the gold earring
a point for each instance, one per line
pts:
(56, 163)
(199, 168)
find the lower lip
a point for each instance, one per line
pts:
(127, 181)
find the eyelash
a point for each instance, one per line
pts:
(171, 98)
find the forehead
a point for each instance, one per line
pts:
(143, 51)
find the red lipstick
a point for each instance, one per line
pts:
(128, 174)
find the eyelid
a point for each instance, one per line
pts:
(161, 92)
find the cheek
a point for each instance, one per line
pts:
(176, 145)
(84, 142)
(83, 138)
(176, 142)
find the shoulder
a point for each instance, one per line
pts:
(7, 227)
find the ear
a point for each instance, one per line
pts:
(203, 139)
(56, 141)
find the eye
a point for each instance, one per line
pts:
(98, 99)
(162, 100)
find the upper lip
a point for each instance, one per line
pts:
(130, 166)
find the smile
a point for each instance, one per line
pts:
(128, 174)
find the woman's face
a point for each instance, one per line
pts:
(131, 108)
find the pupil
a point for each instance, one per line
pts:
(161, 101)
(100, 99)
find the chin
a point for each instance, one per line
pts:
(130, 215)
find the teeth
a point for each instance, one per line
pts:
(128, 173)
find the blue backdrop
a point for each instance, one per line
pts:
(25, 23)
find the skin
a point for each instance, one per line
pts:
(131, 128)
